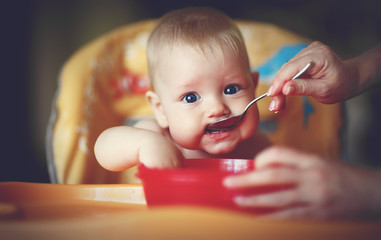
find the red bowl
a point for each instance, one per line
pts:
(198, 182)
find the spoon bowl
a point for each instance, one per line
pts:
(231, 122)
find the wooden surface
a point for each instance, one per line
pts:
(49, 211)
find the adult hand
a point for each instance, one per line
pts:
(329, 80)
(321, 188)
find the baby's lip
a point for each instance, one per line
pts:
(217, 134)
(215, 131)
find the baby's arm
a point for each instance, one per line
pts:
(122, 147)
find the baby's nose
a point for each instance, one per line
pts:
(218, 109)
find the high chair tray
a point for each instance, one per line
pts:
(36, 201)
(53, 211)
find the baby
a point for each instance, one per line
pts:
(199, 73)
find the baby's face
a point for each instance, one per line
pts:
(195, 91)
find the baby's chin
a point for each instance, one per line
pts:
(221, 149)
(207, 152)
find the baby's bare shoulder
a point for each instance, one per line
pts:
(149, 124)
(152, 125)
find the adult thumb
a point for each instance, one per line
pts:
(306, 87)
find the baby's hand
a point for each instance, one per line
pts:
(119, 148)
(323, 189)
(159, 152)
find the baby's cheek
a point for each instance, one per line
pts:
(186, 141)
(185, 136)
(249, 125)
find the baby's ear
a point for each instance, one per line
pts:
(154, 100)
(255, 78)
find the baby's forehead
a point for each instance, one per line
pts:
(192, 60)
(209, 51)
(176, 54)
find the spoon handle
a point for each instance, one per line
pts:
(255, 100)
(301, 72)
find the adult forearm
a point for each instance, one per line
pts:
(368, 69)
(372, 183)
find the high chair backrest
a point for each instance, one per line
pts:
(103, 85)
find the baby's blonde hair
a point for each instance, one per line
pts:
(207, 30)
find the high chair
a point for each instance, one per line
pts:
(103, 85)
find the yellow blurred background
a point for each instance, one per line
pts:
(39, 36)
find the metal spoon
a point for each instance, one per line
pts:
(229, 123)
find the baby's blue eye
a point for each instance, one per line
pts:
(232, 89)
(191, 98)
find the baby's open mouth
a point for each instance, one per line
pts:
(215, 131)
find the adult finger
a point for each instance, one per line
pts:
(306, 87)
(278, 199)
(295, 212)
(276, 176)
(278, 103)
(279, 155)
(316, 52)
(286, 73)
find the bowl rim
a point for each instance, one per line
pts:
(192, 173)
